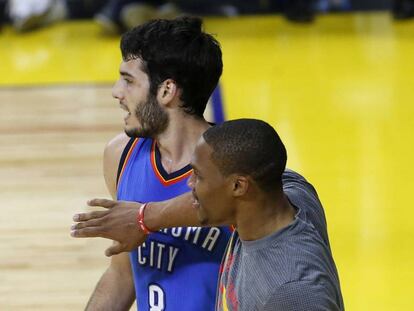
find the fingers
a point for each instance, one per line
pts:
(95, 214)
(115, 249)
(102, 203)
(89, 232)
(86, 224)
(89, 216)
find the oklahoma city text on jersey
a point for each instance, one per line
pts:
(162, 256)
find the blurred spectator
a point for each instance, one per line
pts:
(333, 5)
(29, 14)
(116, 16)
(302, 11)
(403, 9)
(2, 12)
(228, 8)
(120, 15)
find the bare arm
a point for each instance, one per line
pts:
(115, 289)
(176, 212)
(118, 222)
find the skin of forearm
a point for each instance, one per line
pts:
(176, 212)
(114, 292)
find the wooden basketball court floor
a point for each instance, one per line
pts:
(340, 93)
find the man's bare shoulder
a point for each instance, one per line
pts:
(112, 155)
(116, 145)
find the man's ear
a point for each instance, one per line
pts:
(167, 91)
(240, 185)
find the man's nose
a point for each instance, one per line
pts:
(116, 91)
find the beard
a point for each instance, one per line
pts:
(152, 118)
(202, 216)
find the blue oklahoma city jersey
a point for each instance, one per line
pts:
(175, 269)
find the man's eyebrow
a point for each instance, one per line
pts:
(124, 73)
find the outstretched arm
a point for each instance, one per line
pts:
(119, 221)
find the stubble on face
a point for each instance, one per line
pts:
(202, 216)
(152, 118)
(210, 198)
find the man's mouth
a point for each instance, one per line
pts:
(127, 113)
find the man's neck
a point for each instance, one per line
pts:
(264, 216)
(177, 143)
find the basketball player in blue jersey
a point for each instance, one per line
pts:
(168, 72)
(279, 257)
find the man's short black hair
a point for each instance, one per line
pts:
(251, 147)
(177, 49)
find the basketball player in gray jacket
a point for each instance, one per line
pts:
(279, 257)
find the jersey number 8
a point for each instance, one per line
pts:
(156, 298)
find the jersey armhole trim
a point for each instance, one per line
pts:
(124, 158)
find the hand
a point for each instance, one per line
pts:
(117, 222)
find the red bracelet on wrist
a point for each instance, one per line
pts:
(140, 219)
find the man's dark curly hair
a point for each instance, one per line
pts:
(177, 49)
